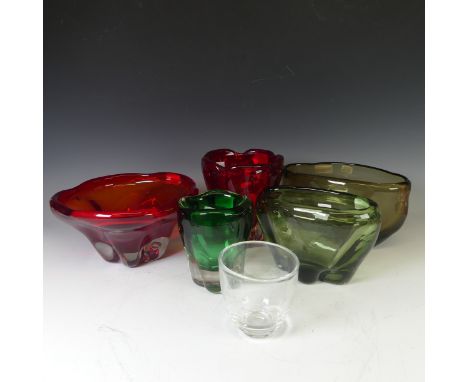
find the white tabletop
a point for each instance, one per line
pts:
(107, 322)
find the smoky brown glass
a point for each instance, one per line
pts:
(389, 190)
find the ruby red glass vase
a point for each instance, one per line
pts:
(127, 217)
(247, 173)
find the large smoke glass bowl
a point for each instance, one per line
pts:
(389, 190)
(330, 232)
(258, 280)
(208, 223)
(126, 217)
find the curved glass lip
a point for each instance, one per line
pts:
(285, 277)
(373, 206)
(244, 203)
(404, 179)
(275, 158)
(59, 207)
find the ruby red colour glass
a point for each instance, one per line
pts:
(127, 217)
(247, 173)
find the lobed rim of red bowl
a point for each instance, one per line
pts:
(275, 159)
(59, 207)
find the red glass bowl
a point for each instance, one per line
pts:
(127, 217)
(247, 173)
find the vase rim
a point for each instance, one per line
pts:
(372, 205)
(243, 202)
(273, 158)
(285, 277)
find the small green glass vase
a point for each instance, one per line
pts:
(330, 232)
(389, 190)
(208, 223)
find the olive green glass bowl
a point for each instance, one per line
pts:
(389, 190)
(208, 223)
(330, 232)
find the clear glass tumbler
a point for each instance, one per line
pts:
(258, 279)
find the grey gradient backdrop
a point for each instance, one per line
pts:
(144, 86)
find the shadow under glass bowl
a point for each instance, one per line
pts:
(330, 232)
(389, 190)
(127, 217)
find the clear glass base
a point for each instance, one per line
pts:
(259, 323)
(206, 279)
